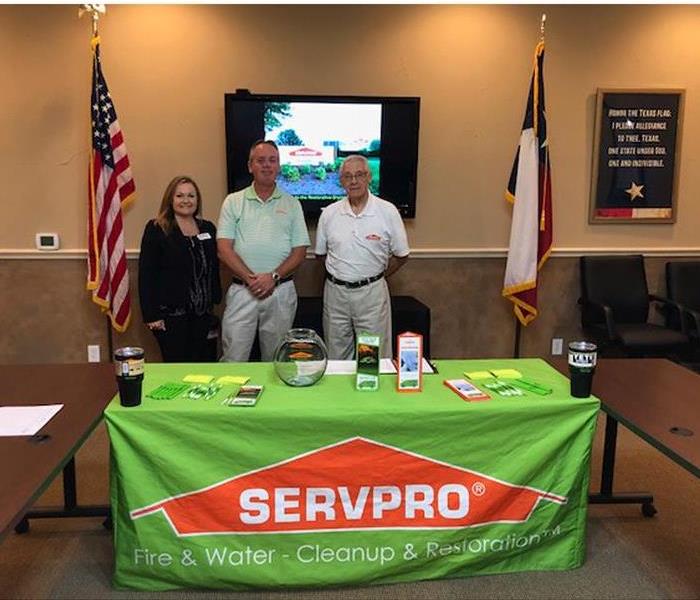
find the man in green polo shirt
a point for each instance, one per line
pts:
(262, 238)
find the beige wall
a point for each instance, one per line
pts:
(168, 68)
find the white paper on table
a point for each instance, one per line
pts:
(25, 420)
(340, 367)
(308, 367)
(386, 365)
(349, 367)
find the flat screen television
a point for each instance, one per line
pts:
(315, 133)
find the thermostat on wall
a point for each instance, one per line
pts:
(46, 241)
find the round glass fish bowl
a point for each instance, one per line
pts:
(301, 358)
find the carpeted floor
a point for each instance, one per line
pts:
(628, 556)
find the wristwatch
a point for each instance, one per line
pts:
(276, 277)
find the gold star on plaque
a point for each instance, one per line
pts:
(635, 191)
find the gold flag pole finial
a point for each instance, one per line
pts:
(95, 11)
(544, 19)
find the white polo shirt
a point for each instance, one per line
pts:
(359, 246)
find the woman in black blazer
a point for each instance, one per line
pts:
(179, 274)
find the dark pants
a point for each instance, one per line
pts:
(185, 339)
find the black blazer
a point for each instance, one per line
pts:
(165, 269)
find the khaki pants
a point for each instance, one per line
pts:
(245, 315)
(347, 312)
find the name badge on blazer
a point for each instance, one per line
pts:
(203, 236)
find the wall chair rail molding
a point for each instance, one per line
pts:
(416, 253)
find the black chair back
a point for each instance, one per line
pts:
(682, 286)
(617, 281)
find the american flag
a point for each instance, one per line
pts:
(111, 186)
(530, 192)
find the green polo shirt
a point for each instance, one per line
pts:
(264, 232)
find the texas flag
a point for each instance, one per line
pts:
(530, 192)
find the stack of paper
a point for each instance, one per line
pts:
(25, 420)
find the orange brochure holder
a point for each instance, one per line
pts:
(409, 362)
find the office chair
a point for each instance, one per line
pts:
(683, 288)
(615, 303)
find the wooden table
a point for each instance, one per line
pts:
(656, 399)
(29, 464)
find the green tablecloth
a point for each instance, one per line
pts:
(329, 486)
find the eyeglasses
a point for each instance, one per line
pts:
(359, 176)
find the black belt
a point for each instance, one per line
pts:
(354, 284)
(241, 282)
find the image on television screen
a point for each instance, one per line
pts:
(314, 138)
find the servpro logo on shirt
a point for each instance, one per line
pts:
(352, 485)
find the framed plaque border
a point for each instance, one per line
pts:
(593, 218)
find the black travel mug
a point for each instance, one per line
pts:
(128, 363)
(582, 362)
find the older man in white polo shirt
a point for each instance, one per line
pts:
(362, 240)
(262, 238)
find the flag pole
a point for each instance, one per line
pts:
(110, 339)
(518, 324)
(516, 346)
(111, 187)
(542, 23)
(95, 11)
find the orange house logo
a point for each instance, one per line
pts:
(355, 484)
(305, 151)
